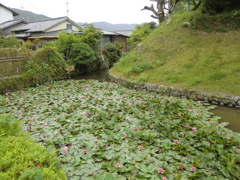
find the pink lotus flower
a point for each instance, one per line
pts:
(161, 170)
(176, 141)
(117, 165)
(237, 150)
(140, 147)
(180, 168)
(193, 169)
(65, 149)
(84, 151)
(37, 165)
(164, 178)
(194, 129)
(29, 123)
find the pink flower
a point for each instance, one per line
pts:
(95, 140)
(179, 114)
(65, 149)
(196, 114)
(105, 145)
(55, 132)
(126, 136)
(186, 125)
(164, 178)
(176, 141)
(180, 168)
(136, 129)
(84, 151)
(217, 127)
(228, 138)
(140, 147)
(237, 150)
(70, 144)
(127, 117)
(157, 148)
(161, 170)
(210, 122)
(37, 165)
(117, 165)
(194, 129)
(193, 169)
(29, 123)
(42, 138)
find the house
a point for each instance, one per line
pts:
(46, 29)
(8, 26)
(6, 20)
(113, 37)
(6, 14)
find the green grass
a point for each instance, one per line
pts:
(187, 58)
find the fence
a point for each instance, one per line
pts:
(11, 67)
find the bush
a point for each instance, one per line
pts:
(112, 52)
(21, 158)
(10, 42)
(82, 56)
(47, 65)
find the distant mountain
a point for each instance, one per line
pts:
(29, 16)
(113, 27)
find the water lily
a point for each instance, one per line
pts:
(180, 168)
(193, 169)
(194, 129)
(140, 147)
(164, 178)
(161, 170)
(237, 150)
(176, 141)
(117, 165)
(84, 151)
(65, 149)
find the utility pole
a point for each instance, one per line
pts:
(67, 3)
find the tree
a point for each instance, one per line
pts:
(140, 33)
(163, 9)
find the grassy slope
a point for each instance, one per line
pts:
(188, 59)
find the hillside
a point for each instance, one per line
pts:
(179, 56)
(29, 16)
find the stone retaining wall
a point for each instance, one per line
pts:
(212, 98)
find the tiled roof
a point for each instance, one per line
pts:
(42, 26)
(11, 23)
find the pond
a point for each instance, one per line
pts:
(227, 114)
(230, 115)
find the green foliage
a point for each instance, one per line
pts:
(91, 36)
(21, 158)
(219, 6)
(140, 33)
(82, 55)
(112, 52)
(9, 125)
(10, 42)
(9, 52)
(105, 131)
(220, 22)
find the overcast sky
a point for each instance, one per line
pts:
(112, 11)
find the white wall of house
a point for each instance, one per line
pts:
(62, 26)
(5, 14)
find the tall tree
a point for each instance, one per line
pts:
(163, 8)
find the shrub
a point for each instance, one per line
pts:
(112, 52)
(10, 42)
(21, 158)
(82, 56)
